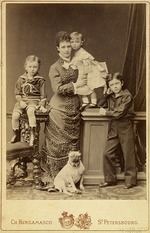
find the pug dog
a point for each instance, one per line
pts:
(70, 175)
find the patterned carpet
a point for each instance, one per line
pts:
(25, 190)
(28, 192)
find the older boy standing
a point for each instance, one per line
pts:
(121, 108)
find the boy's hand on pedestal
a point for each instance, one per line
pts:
(102, 111)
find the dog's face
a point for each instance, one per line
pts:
(74, 158)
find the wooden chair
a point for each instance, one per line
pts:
(21, 154)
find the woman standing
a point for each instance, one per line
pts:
(63, 128)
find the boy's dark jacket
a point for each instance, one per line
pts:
(118, 107)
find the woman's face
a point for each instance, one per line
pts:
(64, 49)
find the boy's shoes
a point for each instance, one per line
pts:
(16, 136)
(85, 106)
(129, 186)
(106, 184)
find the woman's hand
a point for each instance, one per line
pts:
(81, 82)
(102, 111)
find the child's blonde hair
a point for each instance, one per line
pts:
(31, 58)
(77, 34)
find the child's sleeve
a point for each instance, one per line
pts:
(122, 109)
(18, 91)
(86, 55)
(102, 102)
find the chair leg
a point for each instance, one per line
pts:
(13, 177)
(22, 164)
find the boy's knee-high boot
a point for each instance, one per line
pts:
(16, 136)
(32, 136)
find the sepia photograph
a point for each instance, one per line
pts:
(74, 110)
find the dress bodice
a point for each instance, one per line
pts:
(62, 80)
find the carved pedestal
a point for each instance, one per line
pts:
(93, 140)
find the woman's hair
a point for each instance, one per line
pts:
(62, 36)
(32, 58)
(110, 77)
(78, 35)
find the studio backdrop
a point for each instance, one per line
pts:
(114, 33)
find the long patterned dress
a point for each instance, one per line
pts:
(63, 128)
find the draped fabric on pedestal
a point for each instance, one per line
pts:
(134, 71)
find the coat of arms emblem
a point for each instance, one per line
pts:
(67, 220)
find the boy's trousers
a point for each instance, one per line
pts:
(120, 132)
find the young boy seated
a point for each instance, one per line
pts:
(30, 95)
